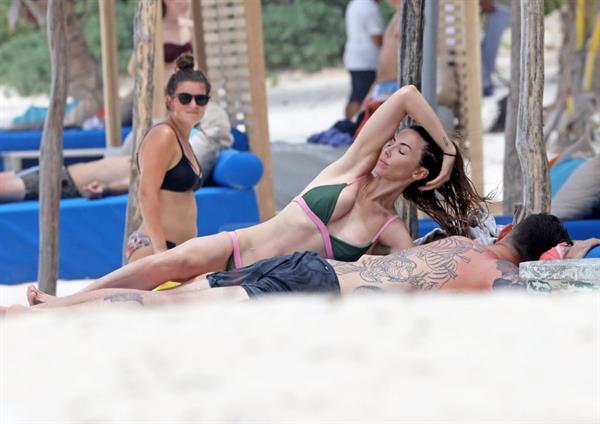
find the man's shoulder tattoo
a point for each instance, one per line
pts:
(509, 276)
(439, 262)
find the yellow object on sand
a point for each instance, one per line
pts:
(167, 285)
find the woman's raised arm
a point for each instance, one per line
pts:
(362, 155)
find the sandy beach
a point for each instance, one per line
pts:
(504, 358)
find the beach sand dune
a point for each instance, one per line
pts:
(502, 358)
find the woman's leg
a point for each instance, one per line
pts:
(140, 253)
(141, 298)
(37, 297)
(188, 260)
(12, 187)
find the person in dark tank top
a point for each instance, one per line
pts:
(169, 170)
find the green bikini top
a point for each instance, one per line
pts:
(319, 203)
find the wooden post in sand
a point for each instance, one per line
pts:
(410, 59)
(110, 75)
(512, 179)
(51, 150)
(199, 44)
(143, 29)
(158, 75)
(258, 128)
(529, 137)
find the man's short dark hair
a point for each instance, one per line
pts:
(536, 234)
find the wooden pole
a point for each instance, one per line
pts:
(144, 31)
(430, 52)
(51, 150)
(513, 180)
(258, 128)
(158, 102)
(110, 75)
(473, 69)
(199, 44)
(530, 145)
(410, 60)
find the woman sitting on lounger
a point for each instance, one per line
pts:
(346, 211)
(169, 170)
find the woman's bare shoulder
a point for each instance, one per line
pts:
(160, 137)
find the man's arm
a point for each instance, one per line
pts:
(117, 187)
(96, 190)
(377, 39)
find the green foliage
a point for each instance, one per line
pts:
(303, 34)
(298, 34)
(24, 56)
(25, 63)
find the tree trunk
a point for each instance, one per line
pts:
(410, 61)
(51, 150)
(574, 98)
(85, 79)
(596, 82)
(567, 54)
(144, 29)
(530, 143)
(110, 73)
(513, 179)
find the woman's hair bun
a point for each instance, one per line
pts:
(185, 61)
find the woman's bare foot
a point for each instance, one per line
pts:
(35, 296)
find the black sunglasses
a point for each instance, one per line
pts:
(186, 98)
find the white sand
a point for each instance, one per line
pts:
(443, 359)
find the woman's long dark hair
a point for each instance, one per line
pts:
(455, 204)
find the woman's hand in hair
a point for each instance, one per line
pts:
(445, 172)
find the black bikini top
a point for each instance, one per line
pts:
(181, 177)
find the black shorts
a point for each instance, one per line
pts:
(361, 83)
(31, 180)
(304, 272)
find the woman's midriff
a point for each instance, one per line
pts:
(177, 216)
(289, 231)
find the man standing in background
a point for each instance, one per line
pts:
(387, 66)
(497, 19)
(364, 29)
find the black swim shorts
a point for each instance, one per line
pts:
(304, 272)
(31, 180)
(361, 83)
